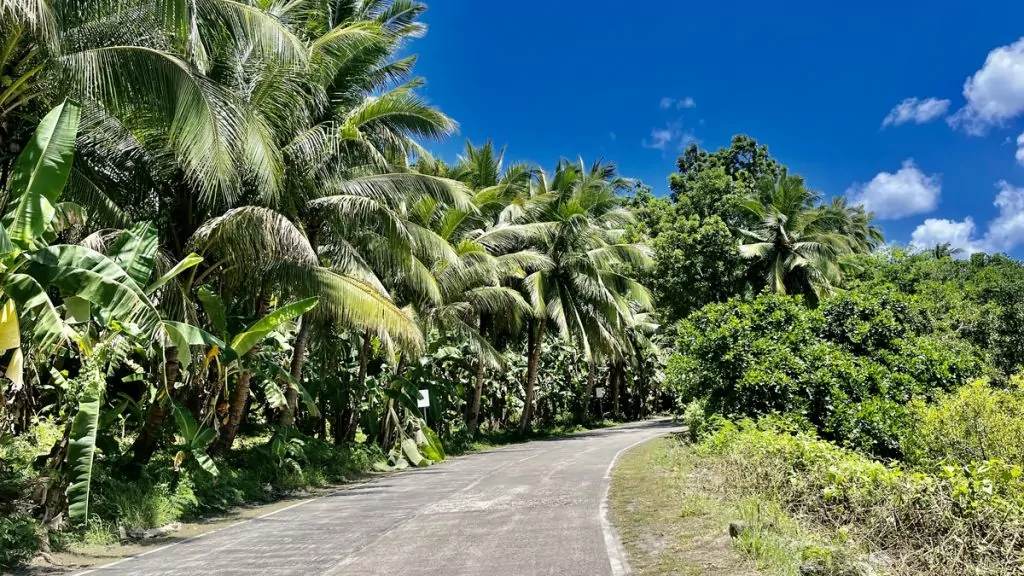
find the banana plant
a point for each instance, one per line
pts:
(31, 270)
(195, 439)
(240, 357)
(116, 285)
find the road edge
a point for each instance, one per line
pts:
(612, 543)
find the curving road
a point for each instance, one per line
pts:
(529, 509)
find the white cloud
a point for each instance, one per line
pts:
(660, 139)
(995, 93)
(905, 193)
(941, 231)
(613, 136)
(1003, 234)
(671, 137)
(1020, 148)
(1007, 230)
(916, 111)
(668, 103)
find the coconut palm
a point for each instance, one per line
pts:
(796, 243)
(142, 65)
(477, 289)
(577, 219)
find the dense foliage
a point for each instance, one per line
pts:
(229, 265)
(873, 393)
(849, 367)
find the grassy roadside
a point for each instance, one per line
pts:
(673, 510)
(669, 521)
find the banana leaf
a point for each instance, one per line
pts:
(412, 453)
(433, 449)
(190, 261)
(215, 310)
(48, 328)
(40, 174)
(270, 371)
(196, 437)
(134, 251)
(255, 333)
(82, 449)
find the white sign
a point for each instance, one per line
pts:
(424, 399)
(599, 392)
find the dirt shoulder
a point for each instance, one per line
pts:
(663, 505)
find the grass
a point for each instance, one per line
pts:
(669, 522)
(673, 510)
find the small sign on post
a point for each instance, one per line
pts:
(423, 402)
(599, 392)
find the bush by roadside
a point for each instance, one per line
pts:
(976, 423)
(848, 368)
(954, 520)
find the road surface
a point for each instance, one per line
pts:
(524, 510)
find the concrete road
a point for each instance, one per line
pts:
(529, 509)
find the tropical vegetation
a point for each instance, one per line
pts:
(869, 394)
(230, 267)
(229, 261)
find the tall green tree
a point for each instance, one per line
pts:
(578, 220)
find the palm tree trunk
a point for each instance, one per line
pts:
(536, 341)
(591, 376)
(149, 437)
(473, 417)
(617, 378)
(299, 353)
(291, 394)
(364, 361)
(348, 419)
(321, 423)
(4, 171)
(240, 395)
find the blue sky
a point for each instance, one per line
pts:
(815, 81)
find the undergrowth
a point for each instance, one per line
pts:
(953, 520)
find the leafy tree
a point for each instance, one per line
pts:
(848, 368)
(744, 163)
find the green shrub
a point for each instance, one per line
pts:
(849, 367)
(866, 322)
(18, 541)
(973, 424)
(742, 356)
(250, 475)
(955, 520)
(695, 420)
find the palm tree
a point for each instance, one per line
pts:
(478, 294)
(796, 243)
(945, 250)
(346, 182)
(312, 144)
(142, 65)
(578, 221)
